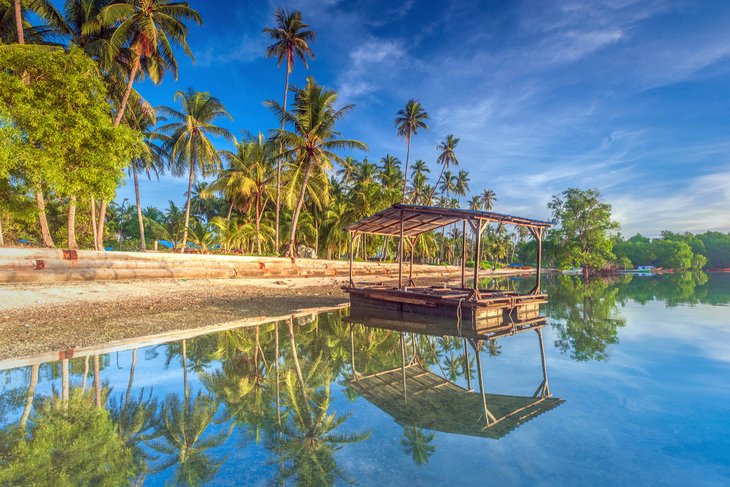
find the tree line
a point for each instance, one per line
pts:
(268, 195)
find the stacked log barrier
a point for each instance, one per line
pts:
(32, 265)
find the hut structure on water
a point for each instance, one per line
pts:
(407, 223)
(415, 396)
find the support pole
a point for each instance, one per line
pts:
(538, 233)
(400, 254)
(477, 255)
(467, 365)
(352, 350)
(412, 244)
(403, 364)
(463, 257)
(352, 250)
(544, 389)
(487, 414)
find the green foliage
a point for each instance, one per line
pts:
(57, 124)
(73, 444)
(584, 229)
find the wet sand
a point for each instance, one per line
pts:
(38, 318)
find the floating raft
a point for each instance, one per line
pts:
(448, 302)
(435, 403)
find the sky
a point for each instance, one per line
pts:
(630, 97)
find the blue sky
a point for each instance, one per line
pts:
(629, 97)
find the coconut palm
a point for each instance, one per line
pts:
(417, 444)
(475, 202)
(149, 29)
(407, 122)
(188, 139)
(488, 199)
(461, 185)
(291, 40)
(446, 157)
(313, 139)
(16, 15)
(151, 158)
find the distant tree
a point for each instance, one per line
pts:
(446, 158)
(407, 123)
(584, 229)
(488, 199)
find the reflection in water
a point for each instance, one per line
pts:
(273, 403)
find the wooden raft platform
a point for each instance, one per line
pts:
(447, 302)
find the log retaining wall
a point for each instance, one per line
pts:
(28, 265)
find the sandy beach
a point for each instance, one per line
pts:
(36, 318)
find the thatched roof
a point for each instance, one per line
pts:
(434, 403)
(421, 219)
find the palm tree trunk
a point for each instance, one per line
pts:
(127, 92)
(29, 395)
(93, 223)
(97, 381)
(142, 244)
(65, 388)
(405, 173)
(86, 372)
(187, 205)
(258, 228)
(186, 389)
(297, 209)
(72, 223)
(230, 210)
(295, 357)
(278, 168)
(45, 232)
(2, 239)
(433, 192)
(100, 226)
(131, 377)
(19, 22)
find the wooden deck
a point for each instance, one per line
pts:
(447, 302)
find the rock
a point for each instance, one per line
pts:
(306, 252)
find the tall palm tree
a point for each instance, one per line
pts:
(446, 157)
(189, 144)
(313, 138)
(475, 202)
(149, 29)
(291, 40)
(488, 199)
(42, 8)
(417, 443)
(407, 123)
(151, 158)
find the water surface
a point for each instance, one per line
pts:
(637, 370)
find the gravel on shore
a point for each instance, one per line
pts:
(37, 318)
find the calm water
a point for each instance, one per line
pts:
(641, 363)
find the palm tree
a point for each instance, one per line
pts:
(461, 185)
(248, 178)
(446, 157)
(475, 202)
(313, 138)
(407, 122)
(291, 39)
(149, 29)
(417, 444)
(189, 144)
(488, 199)
(151, 158)
(43, 8)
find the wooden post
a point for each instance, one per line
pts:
(352, 250)
(487, 414)
(412, 244)
(400, 254)
(352, 350)
(403, 364)
(468, 367)
(477, 254)
(538, 235)
(544, 389)
(463, 257)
